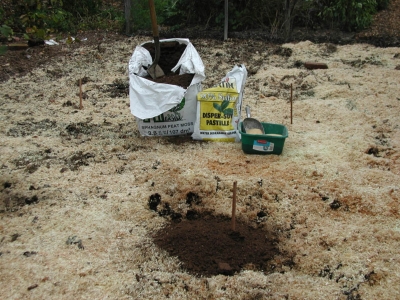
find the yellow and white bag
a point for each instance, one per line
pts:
(219, 108)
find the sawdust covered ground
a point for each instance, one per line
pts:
(75, 219)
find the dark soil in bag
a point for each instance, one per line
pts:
(170, 53)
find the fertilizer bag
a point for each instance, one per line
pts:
(219, 108)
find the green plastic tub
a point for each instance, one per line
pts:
(271, 142)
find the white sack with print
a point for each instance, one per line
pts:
(164, 109)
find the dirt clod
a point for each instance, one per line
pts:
(373, 151)
(14, 237)
(34, 286)
(29, 253)
(31, 200)
(193, 198)
(154, 201)
(335, 204)
(74, 240)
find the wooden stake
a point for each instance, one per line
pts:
(291, 103)
(234, 207)
(80, 94)
(315, 65)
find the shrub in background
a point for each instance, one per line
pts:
(39, 18)
(382, 4)
(141, 13)
(349, 15)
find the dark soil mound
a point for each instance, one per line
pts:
(206, 245)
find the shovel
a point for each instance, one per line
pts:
(155, 70)
(252, 126)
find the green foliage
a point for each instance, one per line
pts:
(108, 18)
(350, 14)
(237, 16)
(40, 23)
(172, 14)
(1, 13)
(193, 13)
(243, 14)
(40, 18)
(141, 12)
(6, 31)
(308, 15)
(382, 4)
(3, 49)
(83, 8)
(94, 14)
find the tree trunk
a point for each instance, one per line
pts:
(226, 20)
(127, 17)
(287, 19)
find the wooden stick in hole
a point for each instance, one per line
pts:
(234, 207)
(291, 103)
(80, 94)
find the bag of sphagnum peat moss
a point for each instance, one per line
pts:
(163, 107)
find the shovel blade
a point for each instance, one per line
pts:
(250, 123)
(155, 71)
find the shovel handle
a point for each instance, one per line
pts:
(248, 111)
(153, 16)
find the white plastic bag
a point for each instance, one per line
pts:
(219, 108)
(164, 109)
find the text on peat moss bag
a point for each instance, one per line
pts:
(160, 108)
(219, 108)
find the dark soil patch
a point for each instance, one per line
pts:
(183, 80)
(21, 62)
(119, 88)
(170, 54)
(11, 200)
(30, 127)
(79, 159)
(207, 246)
